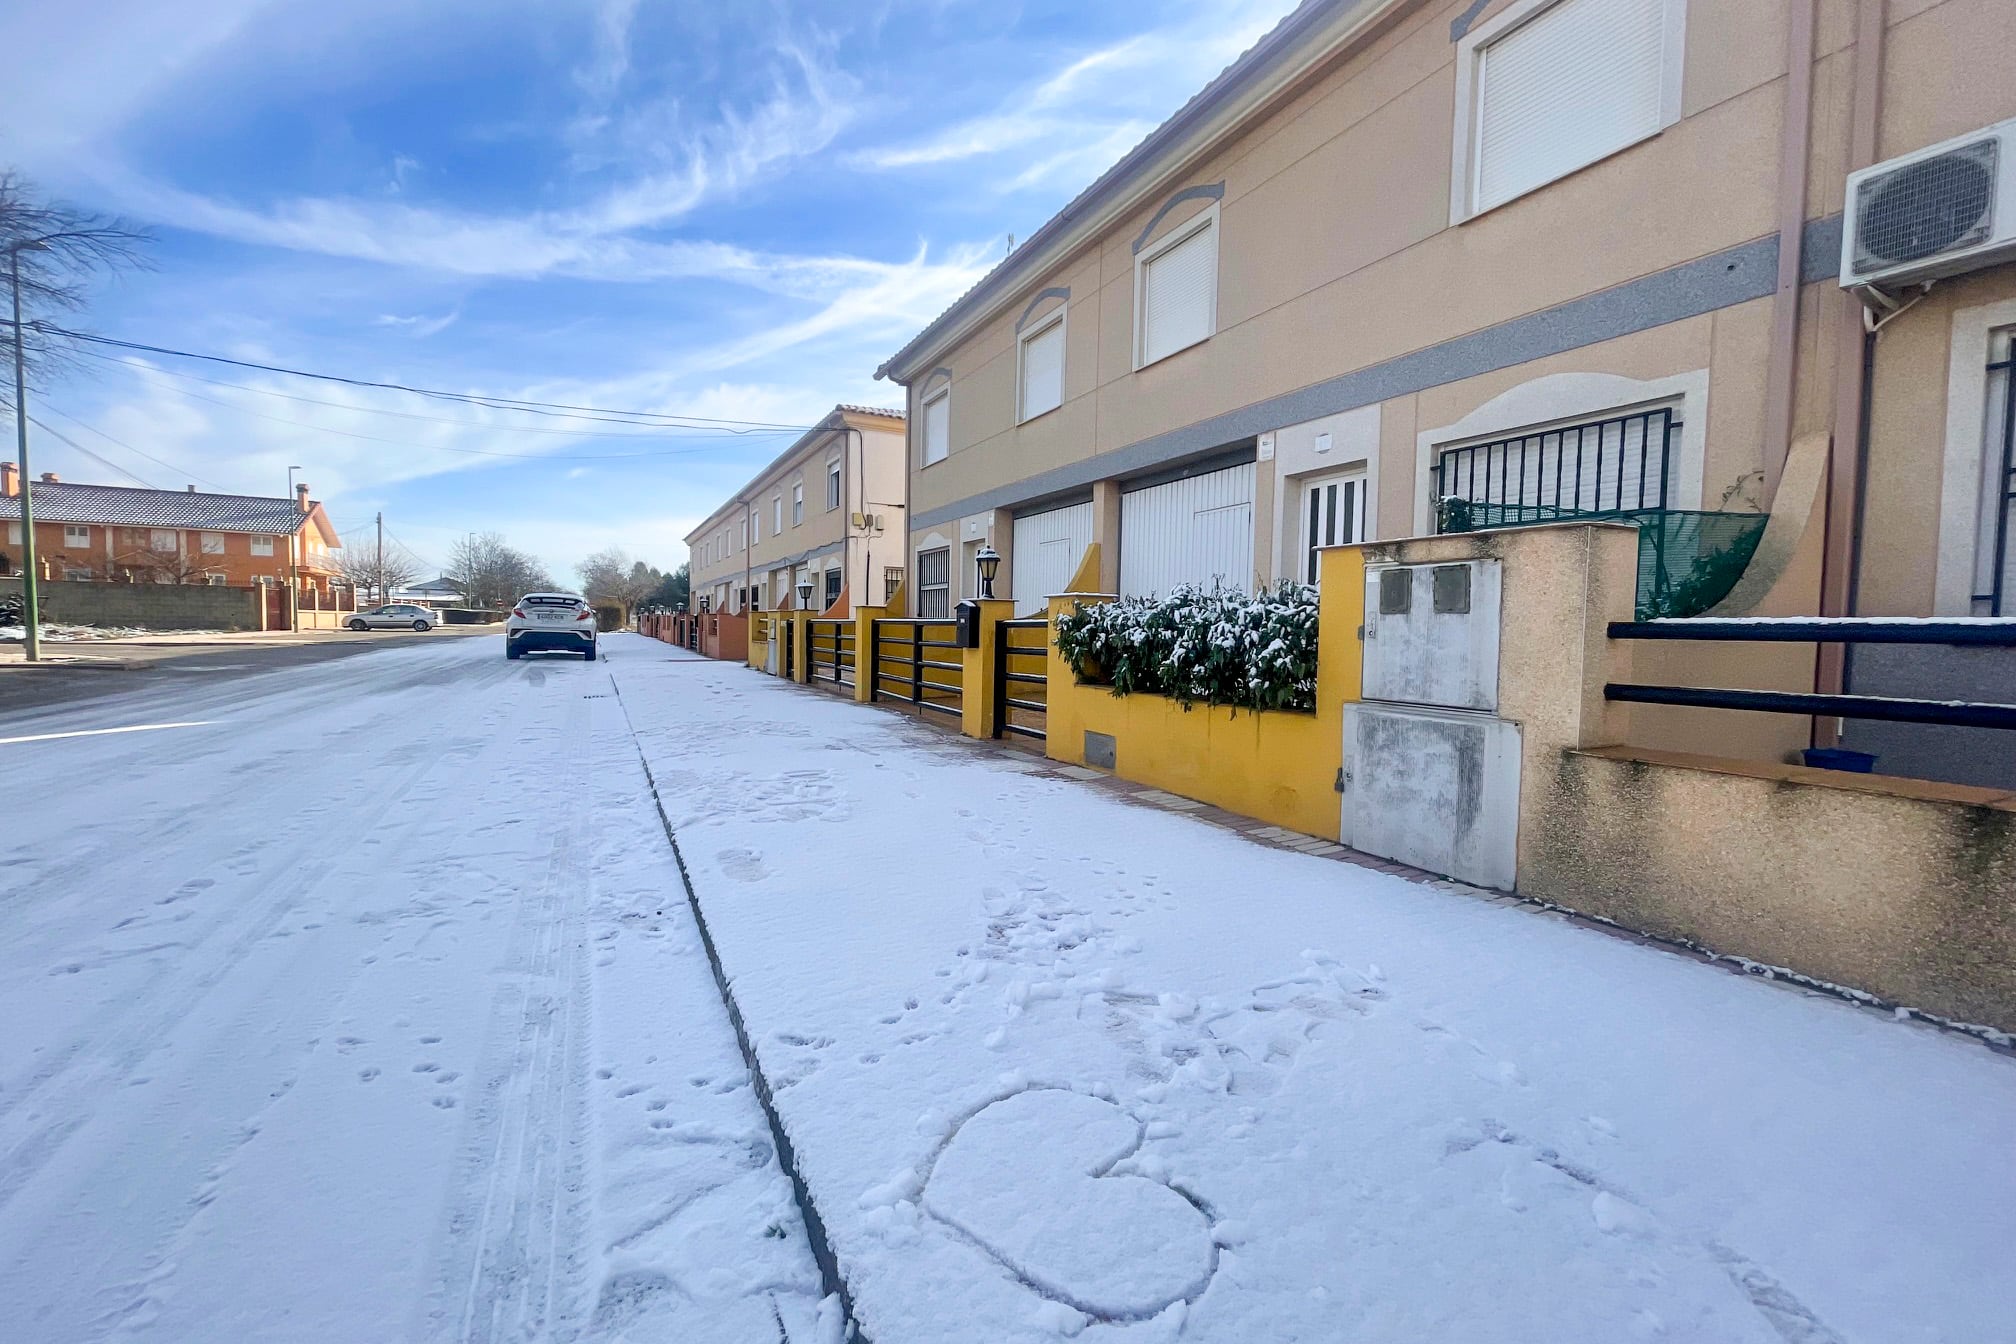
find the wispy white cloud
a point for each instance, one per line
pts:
(419, 328)
(404, 166)
(592, 243)
(671, 170)
(601, 77)
(1112, 95)
(71, 82)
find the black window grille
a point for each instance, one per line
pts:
(832, 586)
(1600, 466)
(934, 584)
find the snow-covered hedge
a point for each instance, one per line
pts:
(1216, 646)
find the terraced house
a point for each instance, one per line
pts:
(1737, 270)
(116, 533)
(830, 506)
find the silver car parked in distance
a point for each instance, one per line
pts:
(394, 616)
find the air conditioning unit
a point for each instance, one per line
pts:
(1937, 211)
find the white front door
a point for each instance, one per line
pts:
(1333, 514)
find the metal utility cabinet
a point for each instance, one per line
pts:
(1431, 773)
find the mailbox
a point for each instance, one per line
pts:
(966, 624)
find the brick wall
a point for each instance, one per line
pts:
(157, 606)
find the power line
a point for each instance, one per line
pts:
(183, 472)
(662, 432)
(559, 410)
(99, 458)
(449, 448)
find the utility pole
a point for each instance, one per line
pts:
(293, 555)
(378, 575)
(31, 606)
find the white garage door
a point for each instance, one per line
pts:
(1198, 530)
(1048, 549)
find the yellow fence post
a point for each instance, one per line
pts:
(864, 652)
(1340, 631)
(978, 682)
(801, 648)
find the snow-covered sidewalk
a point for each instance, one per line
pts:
(1055, 1065)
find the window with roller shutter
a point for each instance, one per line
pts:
(1555, 85)
(937, 427)
(1176, 292)
(1042, 357)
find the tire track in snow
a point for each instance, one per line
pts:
(54, 1102)
(321, 711)
(512, 1262)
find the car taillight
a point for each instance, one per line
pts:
(519, 612)
(585, 615)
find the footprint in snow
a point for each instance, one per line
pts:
(744, 865)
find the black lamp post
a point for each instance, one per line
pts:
(804, 592)
(989, 563)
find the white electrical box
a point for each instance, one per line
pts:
(1431, 634)
(1437, 789)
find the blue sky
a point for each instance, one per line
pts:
(720, 209)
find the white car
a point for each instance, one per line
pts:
(396, 616)
(553, 622)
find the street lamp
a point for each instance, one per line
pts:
(31, 606)
(805, 592)
(293, 557)
(989, 563)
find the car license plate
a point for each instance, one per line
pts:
(552, 616)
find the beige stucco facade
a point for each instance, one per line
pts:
(791, 519)
(1363, 323)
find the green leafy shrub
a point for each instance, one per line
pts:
(1210, 646)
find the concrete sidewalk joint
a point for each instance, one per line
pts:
(832, 1282)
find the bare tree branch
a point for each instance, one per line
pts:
(360, 564)
(78, 248)
(493, 574)
(612, 578)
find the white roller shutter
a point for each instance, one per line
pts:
(1043, 370)
(1579, 81)
(1179, 295)
(1198, 530)
(1048, 550)
(937, 428)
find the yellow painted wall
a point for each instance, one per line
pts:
(1278, 767)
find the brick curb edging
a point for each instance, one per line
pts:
(831, 1281)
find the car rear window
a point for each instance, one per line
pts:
(552, 601)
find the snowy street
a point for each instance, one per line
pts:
(367, 1007)
(362, 1001)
